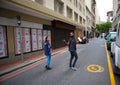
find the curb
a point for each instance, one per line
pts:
(112, 78)
(3, 73)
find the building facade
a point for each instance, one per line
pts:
(109, 16)
(24, 24)
(116, 13)
(90, 18)
(97, 16)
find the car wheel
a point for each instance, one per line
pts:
(111, 54)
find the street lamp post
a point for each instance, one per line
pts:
(19, 26)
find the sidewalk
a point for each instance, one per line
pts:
(13, 66)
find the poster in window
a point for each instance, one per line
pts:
(39, 32)
(3, 45)
(17, 40)
(34, 39)
(26, 40)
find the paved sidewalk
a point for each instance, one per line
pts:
(13, 66)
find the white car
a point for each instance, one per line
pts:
(117, 48)
(113, 46)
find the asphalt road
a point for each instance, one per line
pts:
(93, 53)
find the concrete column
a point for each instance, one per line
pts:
(10, 39)
(65, 10)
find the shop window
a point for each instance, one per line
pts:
(3, 42)
(46, 33)
(36, 35)
(26, 42)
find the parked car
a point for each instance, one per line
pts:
(117, 48)
(110, 38)
(102, 35)
(83, 40)
(113, 45)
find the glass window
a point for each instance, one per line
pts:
(3, 42)
(119, 31)
(69, 12)
(118, 36)
(59, 7)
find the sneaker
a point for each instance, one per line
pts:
(74, 68)
(48, 68)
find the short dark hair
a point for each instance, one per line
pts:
(46, 38)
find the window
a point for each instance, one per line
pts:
(119, 31)
(69, 12)
(84, 21)
(58, 6)
(26, 44)
(76, 16)
(70, 0)
(83, 10)
(80, 19)
(75, 3)
(3, 42)
(80, 7)
(118, 36)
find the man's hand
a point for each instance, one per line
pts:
(64, 40)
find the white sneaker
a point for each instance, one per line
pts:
(74, 68)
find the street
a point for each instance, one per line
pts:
(92, 68)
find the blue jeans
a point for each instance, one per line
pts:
(48, 60)
(73, 56)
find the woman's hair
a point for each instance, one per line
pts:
(46, 38)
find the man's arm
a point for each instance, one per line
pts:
(66, 42)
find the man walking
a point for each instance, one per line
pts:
(72, 48)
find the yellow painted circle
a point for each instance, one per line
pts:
(95, 68)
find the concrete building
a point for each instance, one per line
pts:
(109, 16)
(35, 19)
(97, 16)
(90, 18)
(116, 13)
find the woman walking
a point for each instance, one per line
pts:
(47, 52)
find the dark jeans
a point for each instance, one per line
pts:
(73, 55)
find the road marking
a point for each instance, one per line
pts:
(95, 68)
(110, 68)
